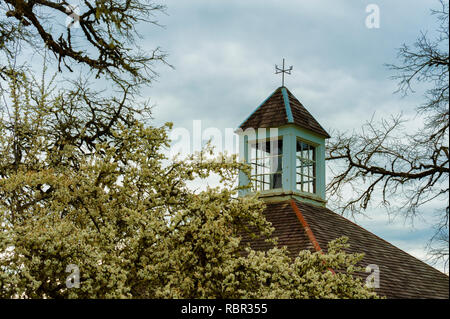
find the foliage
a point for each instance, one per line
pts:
(85, 181)
(117, 207)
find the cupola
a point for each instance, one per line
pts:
(285, 147)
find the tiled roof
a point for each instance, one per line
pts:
(282, 108)
(401, 275)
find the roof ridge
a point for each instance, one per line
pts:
(308, 229)
(305, 225)
(287, 105)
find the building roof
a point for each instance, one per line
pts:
(282, 108)
(401, 275)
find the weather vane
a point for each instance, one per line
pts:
(282, 71)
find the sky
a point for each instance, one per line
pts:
(224, 53)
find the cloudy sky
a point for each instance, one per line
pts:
(224, 52)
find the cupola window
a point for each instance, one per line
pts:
(306, 167)
(266, 164)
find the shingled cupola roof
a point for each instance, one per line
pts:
(282, 108)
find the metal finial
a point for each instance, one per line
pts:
(282, 71)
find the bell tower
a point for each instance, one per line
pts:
(285, 147)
